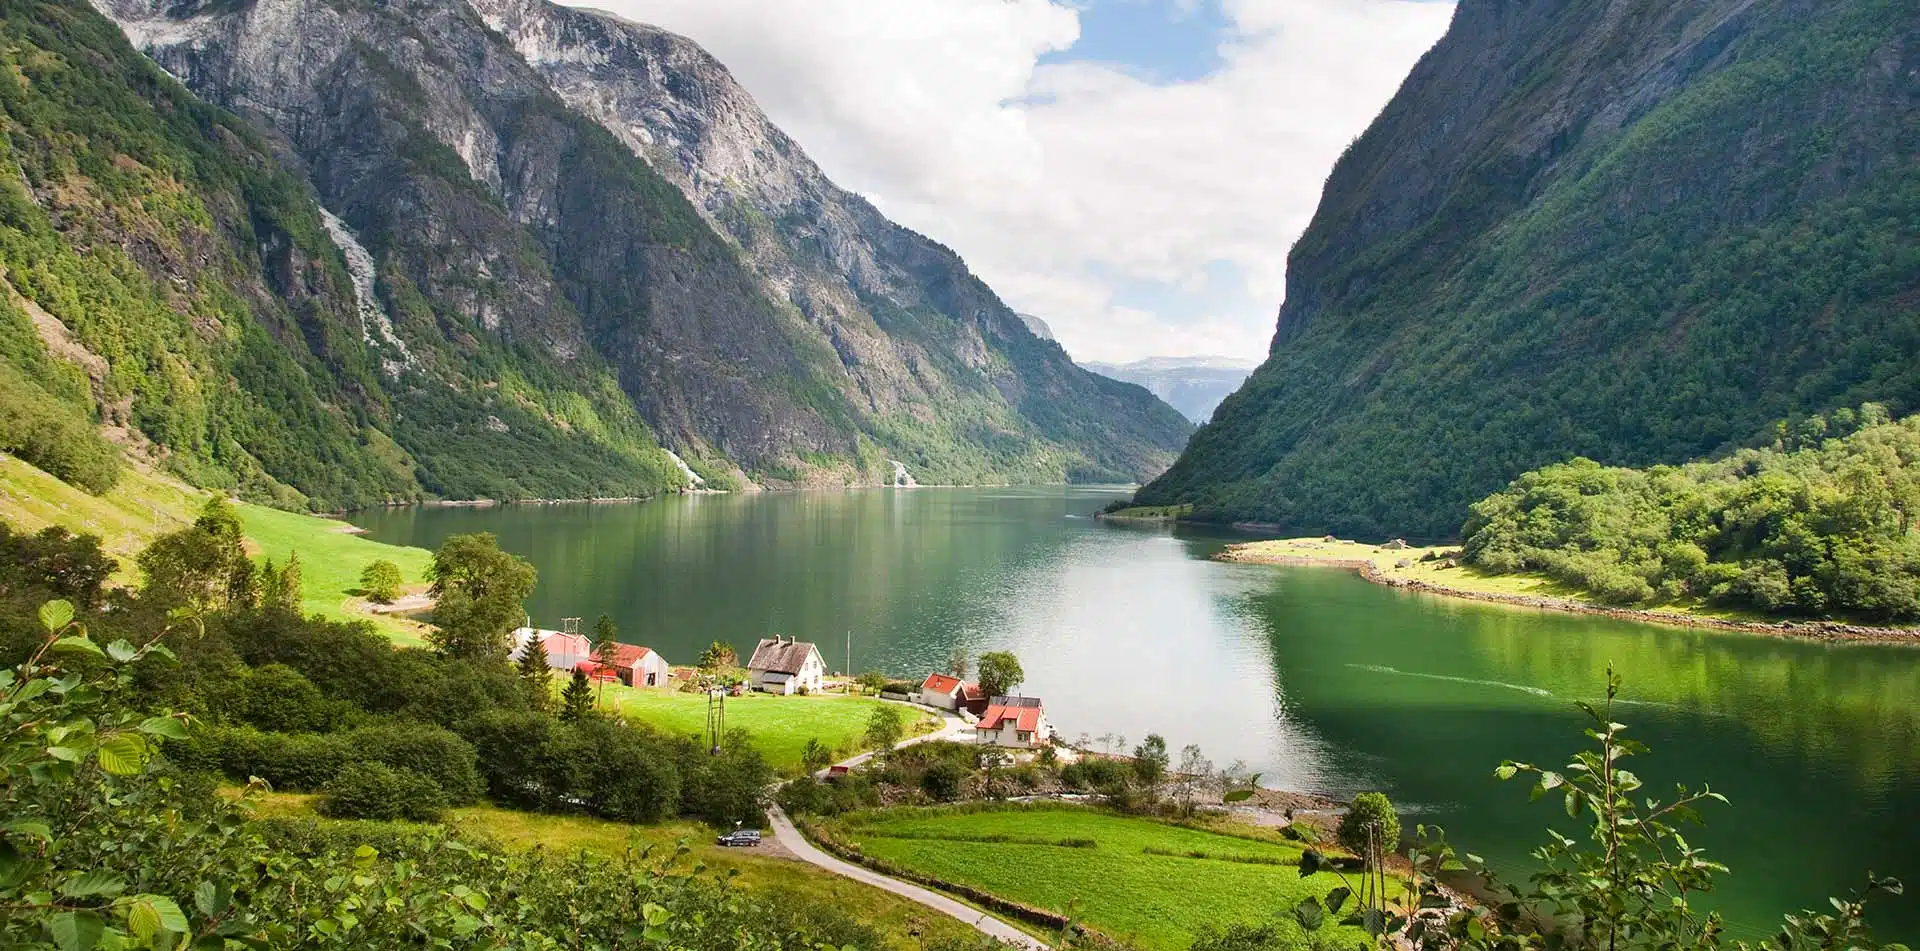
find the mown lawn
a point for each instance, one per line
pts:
(1117, 886)
(780, 726)
(331, 560)
(780, 879)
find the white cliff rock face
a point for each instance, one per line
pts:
(692, 477)
(375, 327)
(901, 477)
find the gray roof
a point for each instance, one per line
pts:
(1014, 702)
(786, 657)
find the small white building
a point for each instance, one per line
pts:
(642, 667)
(1018, 723)
(940, 690)
(564, 651)
(783, 665)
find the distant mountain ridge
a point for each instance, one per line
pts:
(1629, 230)
(1192, 385)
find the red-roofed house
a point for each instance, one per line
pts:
(564, 651)
(1014, 722)
(641, 667)
(947, 693)
(973, 699)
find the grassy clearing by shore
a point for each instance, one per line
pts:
(1413, 564)
(763, 869)
(1149, 513)
(781, 726)
(331, 559)
(1122, 885)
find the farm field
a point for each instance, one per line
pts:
(1117, 885)
(780, 726)
(764, 870)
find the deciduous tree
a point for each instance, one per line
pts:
(1000, 673)
(479, 591)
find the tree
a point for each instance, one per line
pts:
(606, 647)
(872, 681)
(203, 567)
(718, 656)
(1000, 673)
(381, 581)
(535, 675)
(1370, 829)
(942, 780)
(958, 663)
(815, 756)
(1150, 759)
(576, 701)
(1193, 776)
(478, 592)
(287, 593)
(883, 728)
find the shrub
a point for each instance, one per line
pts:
(300, 762)
(431, 751)
(942, 780)
(378, 791)
(280, 700)
(381, 581)
(1370, 809)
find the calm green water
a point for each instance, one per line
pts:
(1319, 679)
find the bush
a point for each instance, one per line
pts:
(381, 581)
(279, 700)
(431, 751)
(377, 791)
(942, 780)
(298, 762)
(1370, 809)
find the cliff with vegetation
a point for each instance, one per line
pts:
(1627, 230)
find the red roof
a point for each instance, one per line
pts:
(970, 691)
(628, 655)
(940, 683)
(1024, 718)
(595, 671)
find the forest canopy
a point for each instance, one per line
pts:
(1821, 522)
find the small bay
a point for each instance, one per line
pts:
(1316, 678)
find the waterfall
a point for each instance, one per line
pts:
(373, 318)
(693, 478)
(901, 477)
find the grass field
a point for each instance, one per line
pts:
(786, 879)
(1117, 886)
(330, 564)
(781, 726)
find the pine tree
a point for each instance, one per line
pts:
(536, 676)
(289, 586)
(606, 646)
(576, 702)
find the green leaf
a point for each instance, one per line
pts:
(122, 754)
(167, 727)
(1309, 913)
(121, 651)
(32, 828)
(76, 930)
(1338, 898)
(66, 753)
(1311, 861)
(213, 898)
(1574, 799)
(88, 884)
(1375, 921)
(164, 914)
(55, 615)
(77, 644)
(143, 919)
(1506, 771)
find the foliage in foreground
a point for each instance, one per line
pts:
(104, 846)
(1820, 522)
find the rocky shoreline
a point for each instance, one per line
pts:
(1831, 631)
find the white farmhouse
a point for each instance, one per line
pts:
(565, 651)
(1018, 723)
(785, 666)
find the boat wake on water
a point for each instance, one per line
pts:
(1523, 688)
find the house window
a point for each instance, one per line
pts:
(650, 678)
(1023, 735)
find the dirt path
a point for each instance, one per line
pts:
(791, 841)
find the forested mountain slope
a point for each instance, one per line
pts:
(1631, 230)
(503, 219)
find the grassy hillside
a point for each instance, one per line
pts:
(1120, 885)
(1642, 234)
(143, 505)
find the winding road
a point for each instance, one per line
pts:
(790, 837)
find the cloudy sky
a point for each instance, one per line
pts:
(1133, 171)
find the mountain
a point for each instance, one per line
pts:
(1631, 230)
(369, 254)
(1192, 385)
(1038, 326)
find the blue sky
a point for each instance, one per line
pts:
(1161, 41)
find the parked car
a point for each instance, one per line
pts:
(747, 838)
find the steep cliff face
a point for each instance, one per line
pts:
(757, 317)
(1628, 229)
(169, 278)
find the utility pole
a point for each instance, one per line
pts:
(849, 653)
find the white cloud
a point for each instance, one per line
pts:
(1065, 186)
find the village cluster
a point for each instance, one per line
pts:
(785, 666)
